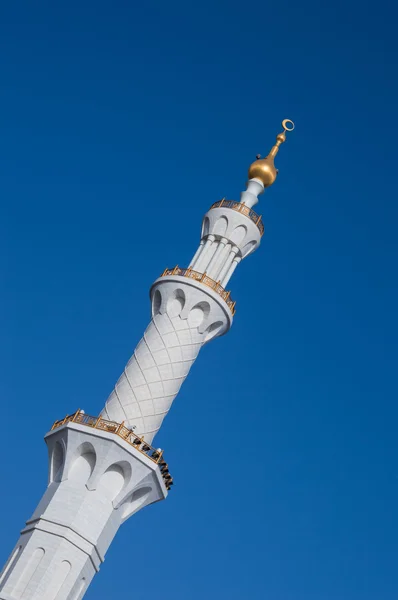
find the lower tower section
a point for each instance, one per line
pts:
(100, 474)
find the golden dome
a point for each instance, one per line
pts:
(264, 168)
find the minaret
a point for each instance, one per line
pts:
(104, 469)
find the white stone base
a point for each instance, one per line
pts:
(96, 482)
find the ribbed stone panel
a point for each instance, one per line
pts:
(185, 315)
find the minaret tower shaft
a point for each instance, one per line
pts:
(104, 469)
(190, 306)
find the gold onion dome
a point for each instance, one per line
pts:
(264, 168)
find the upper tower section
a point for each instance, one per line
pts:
(232, 230)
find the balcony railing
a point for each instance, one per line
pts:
(242, 208)
(206, 280)
(126, 434)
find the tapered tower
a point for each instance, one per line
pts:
(104, 469)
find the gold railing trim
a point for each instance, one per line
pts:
(242, 208)
(206, 280)
(121, 431)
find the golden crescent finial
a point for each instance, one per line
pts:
(264, 169)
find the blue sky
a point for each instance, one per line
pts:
(121, 123)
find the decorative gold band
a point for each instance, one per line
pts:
(203, 278)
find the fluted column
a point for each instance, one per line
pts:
(212, 266)
(204, 256)
(198, 252)
(227, 264)
(231, 270)
(221, 261)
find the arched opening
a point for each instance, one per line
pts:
(248, 248)
(28, 573)
(206, 227)
(213, 330)
(10, 563)
(221, 226)
(156, 303)
(176, 303)
(135, 501)
(83, 466)
(57, 462)
(198, 313)
(80, 589)
(113, 480)
(58, 580)
(238, 235)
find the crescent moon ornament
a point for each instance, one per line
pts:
(287, 125)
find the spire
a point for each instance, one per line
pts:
(262, 172)
(264, 169)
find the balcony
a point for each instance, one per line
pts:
(242, 208)
(203, 278)
(126, 434)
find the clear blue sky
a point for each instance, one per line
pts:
(120, 124)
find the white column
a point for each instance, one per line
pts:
(201, 262)
(228, 263)
(197, 253)
(232, 268)
(214, 261)
(221, 261)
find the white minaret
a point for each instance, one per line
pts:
(103, 469)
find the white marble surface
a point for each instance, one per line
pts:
(185, 315)
(96, 482)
